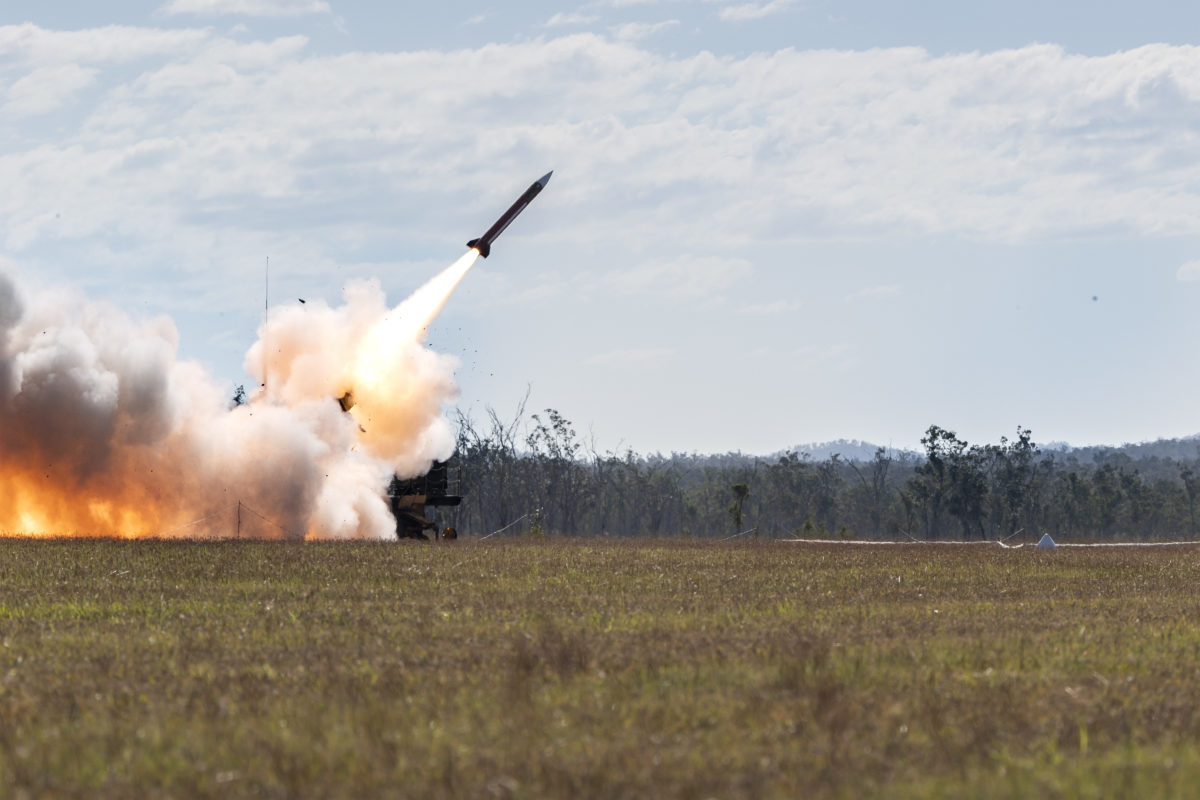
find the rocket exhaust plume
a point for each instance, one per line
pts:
(103, 432)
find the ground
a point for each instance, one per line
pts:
(593, 668)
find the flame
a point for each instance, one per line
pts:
(41, 508)
(103, 432)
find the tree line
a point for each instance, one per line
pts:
(533, 474)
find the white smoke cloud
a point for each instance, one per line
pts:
(103, 431)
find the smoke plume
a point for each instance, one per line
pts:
(104, 432)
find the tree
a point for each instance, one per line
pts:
(1107, 490)
(873, 484)
(1191, 488)
(828, 489)
(740, 492)
(1075, 502)
(968, 489)
(786, 494)
(533, 466)
(930, 486)
(564, 483)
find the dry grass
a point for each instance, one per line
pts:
(595, 669)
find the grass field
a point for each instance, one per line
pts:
(596, 669)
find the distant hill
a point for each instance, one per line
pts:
(1186, 448)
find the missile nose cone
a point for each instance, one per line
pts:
(545, 179)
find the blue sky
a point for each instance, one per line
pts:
(770, 222)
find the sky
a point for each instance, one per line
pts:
(771, 222)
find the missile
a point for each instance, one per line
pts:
(484, 243)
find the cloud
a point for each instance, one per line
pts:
(632, 355)
(28, 44)
(574, 18)
(749, 11)
(633, 31)
(684, 277)
(739, 12)
(1189, 272)
(839, 357)
(247, 8)
(869, 292)
(771, 309)
(46, 89)
(212, 147)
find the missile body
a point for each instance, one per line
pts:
(484, 243)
